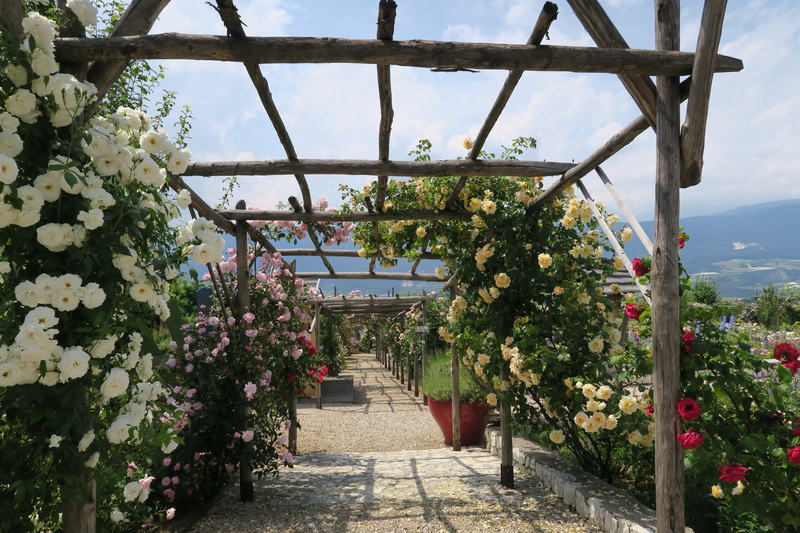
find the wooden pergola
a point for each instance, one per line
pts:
(679, 145)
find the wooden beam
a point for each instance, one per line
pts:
(230, 17)
(400, 276)
(598, 25)
(664, 283)
(387, 11)
(288, 252)
(427, 54)
(177, 184)
(138, 19)
(616, 143)
(358, 167)
(323, 216)
(693, 132)
(546, 17)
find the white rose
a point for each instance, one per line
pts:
(154, 142)
(99, 145)
(17, 74)
(169, 448)
(116, 515)
(42, 317)
(10, 143)
(184, 198)
(117, 432)
(42, 63)
(84, 10)
(27, 294)
(53, 237)
(115, 384)
(21, 104)
(147, 172)
(93, 296)
(103, 347)
(86, 441)
(65, 300)
(8, 169)
(145, 367)
(91, 462)
(141, 292)
(99, 198)
(74, 363)
(91, 219)
(178, 160)
(49, 185)
(131, 491)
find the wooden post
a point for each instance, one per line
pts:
(693, 133)
(456, 394)
(80, 515)
(424, 350)
(243, 301)
(507, 452)
(664, 282)
(293, 417)
(315, 334)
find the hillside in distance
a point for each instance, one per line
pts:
(743, 249)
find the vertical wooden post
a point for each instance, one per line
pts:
(80, 515)
(315, 334)
(401, 357)
(456, 394)
(243, 301)
(424, 350)
(664, 280)
(507, 452)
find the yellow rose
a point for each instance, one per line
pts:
(502, 280)
(545, 260)
(491, 399)
(557, 436)
(716, 491)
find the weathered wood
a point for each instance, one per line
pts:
(230, 17)
(315, 332)
(598, 25)
(371, 275)
(288, 252)
(616, 143)
(546, 17)
(664, 283)
(417, 53)
(424, 365)
(360, 167)
(506, 434)
(80, 516)
(246, 493)
(455, 392)
(324, 216)
(693, 132)
(612, 239)
(629, 216)
(11, 15)
(138, 19)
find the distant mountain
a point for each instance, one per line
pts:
(744, 249)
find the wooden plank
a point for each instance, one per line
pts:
(693, 132)
(506, 434)
(416, 53)
(138, 19)
(598, 25)
(629, 216)
(246, 492)
(230, 17)
(360, 167)
(374, 275)
(664, 283)
(616, 143)
(288, 252)
(79, 515)
(387, 10)
(546, 17)
(324, 216)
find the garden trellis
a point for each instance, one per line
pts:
(679, 147)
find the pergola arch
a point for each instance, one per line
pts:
(679, 146)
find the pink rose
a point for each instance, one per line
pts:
(247, 436)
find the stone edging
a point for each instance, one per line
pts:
(605, 506)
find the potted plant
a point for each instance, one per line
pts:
(437, 386)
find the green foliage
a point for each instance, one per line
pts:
(437, 382)
(182, 291)
(704, 291)
(331, 350)
(769, 307)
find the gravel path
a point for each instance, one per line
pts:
(380, 465)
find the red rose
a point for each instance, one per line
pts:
(312, 350)
(649, 409)
(687, 342)
(639, 268)
(291, 376)
(633, 311)
(691, 439)
(732, 473)
(788, 356)
(794, 455)
(796, 432)
(681, 240)
(688, 409)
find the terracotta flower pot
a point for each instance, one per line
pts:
(473, 424)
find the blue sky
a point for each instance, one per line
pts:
(331, 111)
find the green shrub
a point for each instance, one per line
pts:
(437, 381)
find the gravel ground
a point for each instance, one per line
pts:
(384, 418)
